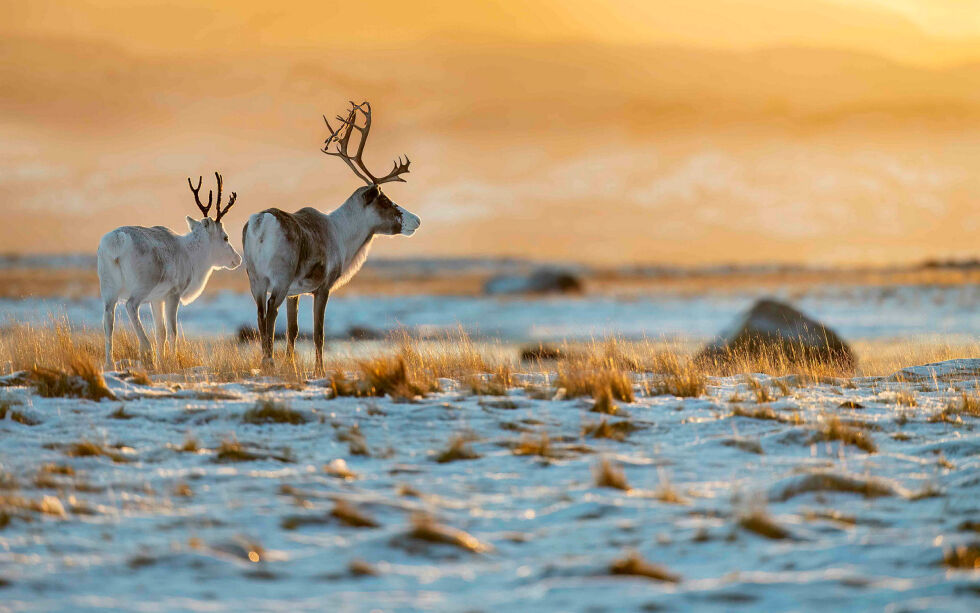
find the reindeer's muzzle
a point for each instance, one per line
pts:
(410, 222)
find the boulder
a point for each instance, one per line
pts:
(541, 281)
(771, 327)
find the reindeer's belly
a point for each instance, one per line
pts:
(310, 279)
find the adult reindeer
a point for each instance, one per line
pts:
(159, 266)
(309, 252)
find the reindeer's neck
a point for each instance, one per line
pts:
(354, 236)
(196, 269)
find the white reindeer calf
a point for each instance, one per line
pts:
(159, 266)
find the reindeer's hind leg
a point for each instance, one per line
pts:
(170, 307)
(276, 295)
(292, 328)
(108, 321)
(259, 288)
(133, 308)
(160, 326)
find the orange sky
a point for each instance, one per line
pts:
(681, 131)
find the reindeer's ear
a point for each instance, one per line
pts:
(192, 223)
(371, 193)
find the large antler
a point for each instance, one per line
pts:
(341, 138)
(219, 212)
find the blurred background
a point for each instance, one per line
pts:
(677, 132)
(651, 167)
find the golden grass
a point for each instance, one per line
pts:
(269, 411)
(965, 557)
(609, 474)
(87, 449)
(349, 515)
(457, 449)
(534, 445)
(767, 412)
(425, 528)
(831, 428)
(759, 522)
(617, 430)
(634, 565)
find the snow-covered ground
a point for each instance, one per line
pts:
(164, 529)
(854, 312)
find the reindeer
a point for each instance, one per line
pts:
(309, 252)
(159, 266)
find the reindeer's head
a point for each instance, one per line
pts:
(220, 252)
(389, 218)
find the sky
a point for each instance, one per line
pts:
(677, 132)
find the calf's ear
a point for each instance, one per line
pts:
(192, 223)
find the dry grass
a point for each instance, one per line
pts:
(608, 474)
(617, 430)
(230, 450)
(494, 384)
(604, 381)
(350, 515)
(965, 405)
(966, 557)
(90, 449)
(426, 528)
(666, 492)
(906, 398)
(831, 428)
(269, 411)
(634, 565)
(767, 412)
(356, 442)
(457, 449)
(6, 408)
(539, 445)
(759, 522)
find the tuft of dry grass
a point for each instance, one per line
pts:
(350, 515)
(965, 405)
(361, 568)
(666, 492)
(356, 442)
(230, 450)
(831, 428)
(634, 565)
(759, 522)
(965, 557)
(608, 474)
(762, 393)
(534, 445)
(269, 411)
(89, 449)
(617, 430)
(83, 379)
(425, 528)
(183, 490)
(496, 384)
(604, 380)
(767, 412)
(6, 408)
(684, 380)
(458, 449)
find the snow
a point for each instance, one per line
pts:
(853, 312)
(553, 533)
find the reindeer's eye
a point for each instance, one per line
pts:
(226, 239)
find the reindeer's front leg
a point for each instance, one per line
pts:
(292, 328)
(319, 307)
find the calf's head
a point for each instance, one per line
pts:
(220, 253)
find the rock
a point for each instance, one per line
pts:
(541, 281)
(772, 327)
(363, 333)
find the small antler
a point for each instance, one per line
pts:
(219, 212)
(197, 198)
(341, 137)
